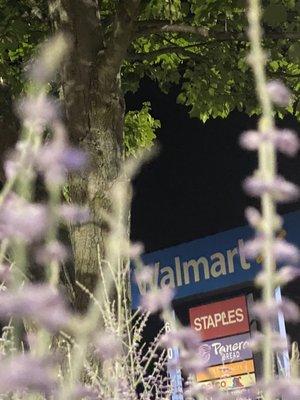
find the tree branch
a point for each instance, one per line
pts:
(145, 28)
(122, 33)
(183, 50)
(164, 26)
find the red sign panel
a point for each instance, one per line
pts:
(223, 318)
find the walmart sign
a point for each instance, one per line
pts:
(208, 264)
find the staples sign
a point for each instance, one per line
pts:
(222, 318)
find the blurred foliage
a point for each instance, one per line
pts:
(211, 72)
(139, 132)
(23, 24)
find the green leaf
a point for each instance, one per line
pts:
(139, 130)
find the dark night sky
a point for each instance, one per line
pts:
(193, 188)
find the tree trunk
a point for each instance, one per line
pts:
(104, 145)
(94, 107)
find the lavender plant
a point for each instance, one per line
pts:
(47, 350)
(271, 189)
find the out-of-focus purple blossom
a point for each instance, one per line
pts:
(287, 274)
(123, 388)
(250, 140)
(279, 93)
(253, 216)
(278, 342)
(156, 300)
(184, 336)
(38, 112)
(136, 249)
(51, 252)
(255, 186)
(279, 188)
(20, 159)
(73, 214)
(108, 346)
(252, 248)
(144, 275)
(41, 303)
(287, 142)
(42, 69)
(85, 392)
(189, 338)
(27, 373)
(197, 390)
(189, 344)
(21, 219)
(57, 158)
(11, 168)
(285, 251)
(269, 311)
(285, 388)
(282, 250)
(191, 363)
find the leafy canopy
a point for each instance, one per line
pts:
(199, 45)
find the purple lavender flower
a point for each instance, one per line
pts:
(288, 389)
(252, 248)
(287, 274)
(21, 158)
(41, 303)
(51, 252)
(25, 372)
(184, 337)
(279, 188)
(85, 392)
(136, 249)
(144, 275)
(38, 112)
(250, 140)
(267, 312)
(284, 140)
(51, 54)
(253, 216)
(74, 214)
(254, 186)
(108, 346)
(278, 342)
(197, 390)
(156, 300)
(57, 158)
(287, 142)
(279, 93)
(22, 220)
(284, 251)
(191, 363)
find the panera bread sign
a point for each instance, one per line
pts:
(223, 318)
(228, 349)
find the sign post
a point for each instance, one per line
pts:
(173, 370)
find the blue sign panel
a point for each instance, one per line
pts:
(208, 264)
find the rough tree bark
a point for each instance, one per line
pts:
(94, 106)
